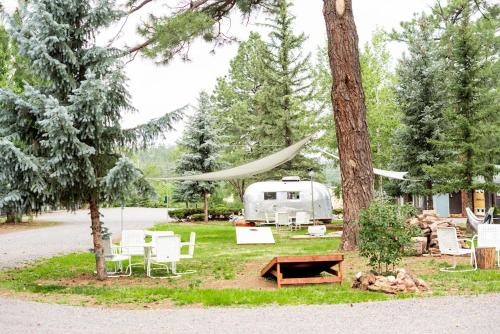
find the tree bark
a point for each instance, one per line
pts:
(97, 239)
(349, 112)
(11, 217)
(205, 207)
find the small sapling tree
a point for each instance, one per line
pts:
(383, 233)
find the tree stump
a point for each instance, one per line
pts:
(485, 257)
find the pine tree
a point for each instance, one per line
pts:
(286, 116)
(61, 139)
(421, 98)
(238, 106)
(471, 124)
(201, 156)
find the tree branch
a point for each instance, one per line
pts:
(136, 8)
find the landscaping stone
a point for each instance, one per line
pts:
(428, 222)
(400, 283)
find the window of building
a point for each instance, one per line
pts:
(269, 196)
(293, 195)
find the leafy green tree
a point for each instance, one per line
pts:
(61, 141)
(201, 153)
(383, 114)
(422, 99)
(384, 234)
(472, 122)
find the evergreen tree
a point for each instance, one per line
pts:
(200, 142)
(238, 106)
(61, 139)
(286, 116)
(471, 122)
(421, 98)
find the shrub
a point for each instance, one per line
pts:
(198, 217)
(338, 211)
(383, 233)
(219, 212)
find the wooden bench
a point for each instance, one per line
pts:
(290, 270)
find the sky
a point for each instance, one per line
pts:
(156, 89)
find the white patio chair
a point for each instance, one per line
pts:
(132, 244)
(489, 236)
(301, 218)
(166, 255)
(112, 254)
(154, 237)
(282, 219)
(449, 245)
(190, 244)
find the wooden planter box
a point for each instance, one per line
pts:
(292, 270)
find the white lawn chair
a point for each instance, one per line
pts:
(190, 244)
(132, 244)
(489, 236)
(282, 219)
(112, 254)
(474, 221)
(154, 237)
(449, 245)
(301, 218)
(167, 252)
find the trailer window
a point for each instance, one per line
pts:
(293, 195)
(269, 196)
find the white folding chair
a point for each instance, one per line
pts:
(112, 254)
(282, 219)
(190, 244)
(132, 244)
(154, 237)
(301, 218)
(488, 235)
(449, 245)
(167, 252)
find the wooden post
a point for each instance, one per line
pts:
(485, 257)
(279, 276)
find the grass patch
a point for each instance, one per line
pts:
(226, 275)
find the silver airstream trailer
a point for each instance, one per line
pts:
(288, 195)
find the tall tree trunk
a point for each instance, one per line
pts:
(205, 207)
(11, 217)
(429, 205)
(97, 239)
(349, 112)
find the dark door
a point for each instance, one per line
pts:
(455, 203)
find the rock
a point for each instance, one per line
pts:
(409, 283)
(403, 282)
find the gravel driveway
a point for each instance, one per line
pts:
(479, 314)
(428, 315)
(72, 235)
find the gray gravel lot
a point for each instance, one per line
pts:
(72, 235)
(479, 314)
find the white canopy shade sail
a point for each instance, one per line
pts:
(382, 172)
(252, 168)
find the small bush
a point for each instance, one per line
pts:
(198, 217)
(338, 211)
(383, 233)
(219, 213)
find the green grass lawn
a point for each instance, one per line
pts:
(226, 275)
